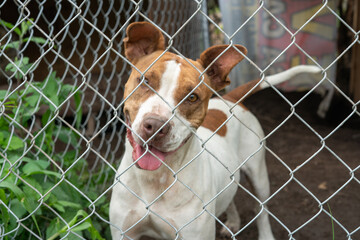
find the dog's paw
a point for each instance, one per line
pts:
(233, 226)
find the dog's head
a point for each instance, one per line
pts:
(164, 101)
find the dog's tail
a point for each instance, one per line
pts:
(301, 73)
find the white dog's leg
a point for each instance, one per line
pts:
(233, 220)
(257, 173)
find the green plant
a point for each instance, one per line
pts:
(332, 222)
(32, 183)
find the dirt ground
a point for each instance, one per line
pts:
(327, 174)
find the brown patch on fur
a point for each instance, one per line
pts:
(142, 39)
(219, 70)
(213, 120)
(189, 78)
(237, 93)
(143, 92)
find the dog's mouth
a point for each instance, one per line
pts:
(148, 158)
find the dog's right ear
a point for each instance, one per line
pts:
(142, 39)
(219, 70)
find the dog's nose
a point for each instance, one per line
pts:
(152, 124)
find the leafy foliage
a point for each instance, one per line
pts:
(35, 192)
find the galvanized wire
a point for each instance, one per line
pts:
(84, 45)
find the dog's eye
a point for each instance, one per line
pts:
(193, 97)
(146, 81)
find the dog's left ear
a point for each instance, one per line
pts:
(142, 39)
(218, 72)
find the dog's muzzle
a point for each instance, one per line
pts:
(154, 131)
(154, 127)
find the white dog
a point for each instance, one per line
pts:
(172, 183)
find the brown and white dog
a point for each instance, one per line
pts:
(173, 183)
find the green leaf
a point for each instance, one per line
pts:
(43, 163)
(30, 199)
(10, 26)
(80, 213)
(39, 40)
(53, 228)
(31, 88)
(35, 167)
(82, 226)
(101, 201)
(59, 207)
(5, 216)
(64, 193)
(77, 98)
(94, 232)
(38, 167)
(17, 208)
(4, 125)
(46, 117)
(72, 222)
(27, 113)
(51, 89)
(13, 158)
(36, 224)
(37, 185)
(33, 99)
(45, 172)
(51, 86)
(17, 64)
(65, 90)
(67, 135)
(14, 44)
(3, 94)
(71, 236)
(16, 143)
(25, 25)
(3, 196)
(13, 188)
(70, 204)
(23, 64)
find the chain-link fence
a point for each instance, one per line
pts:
(62, 131)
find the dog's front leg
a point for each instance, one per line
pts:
(202, 228)
(233, 221)
(256, 171)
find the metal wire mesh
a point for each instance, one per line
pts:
(62, 79)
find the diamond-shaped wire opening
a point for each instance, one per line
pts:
(301, 152)
(318, 175)
(323, 221)
(344, 209)
(296, 210)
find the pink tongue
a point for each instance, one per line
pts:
(148, 161)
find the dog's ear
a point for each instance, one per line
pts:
(219, 70)
(142, 39)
